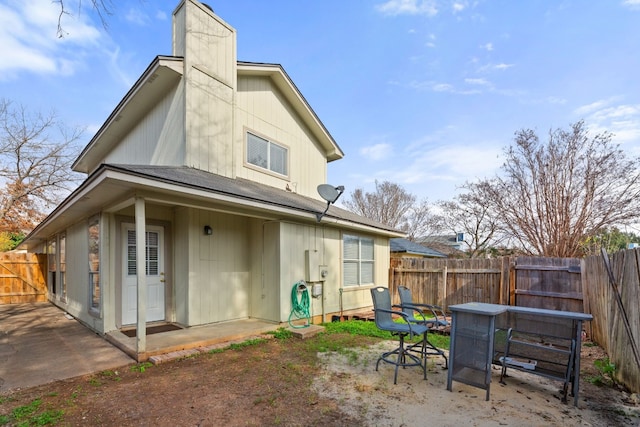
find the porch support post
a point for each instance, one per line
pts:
(141, 276)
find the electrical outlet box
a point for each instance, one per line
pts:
(316, 290)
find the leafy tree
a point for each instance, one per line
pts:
(612, 239)
(551, 196)
(36, 153)
(8, 241)
(392, 205)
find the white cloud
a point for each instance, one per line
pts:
(137, 17)
(492, 67)
(487, 46)
(479, 82)
(408, 7)
(621, 120)
(632, 4)
(594, 106)
(380, 151)
(458, 7)
(442, 87)
(28, 37)
(503, 66)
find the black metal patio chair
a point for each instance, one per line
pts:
(429, 315)
(383, 313)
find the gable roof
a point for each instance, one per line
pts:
(402, 245)
(283, 82)
(165, 72)
(112, 187)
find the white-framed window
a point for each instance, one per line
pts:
(358, 260)
(267, 154)
(94, 264)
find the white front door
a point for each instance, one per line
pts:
(154, 262)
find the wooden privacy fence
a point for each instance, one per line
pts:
(567, 284)
(614, 301)
(22, 278)
(551, 283)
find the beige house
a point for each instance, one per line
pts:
(201, 203)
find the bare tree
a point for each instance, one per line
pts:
(392, 205)
(551, 196)
(35, 166)
(470, 214)
(103, 9)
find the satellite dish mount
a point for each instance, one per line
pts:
(330, 194)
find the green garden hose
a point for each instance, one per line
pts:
(300, 304)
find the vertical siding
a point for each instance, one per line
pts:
(262, 109)
(267, 269)
(182, 266)
(158, 139)
(179, 31)
(210, 72)
(297, 239)
(219, 281)
(209, 117)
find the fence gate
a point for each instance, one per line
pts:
(22, 278)
(550, 283)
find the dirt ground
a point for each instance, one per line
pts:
(289, 383)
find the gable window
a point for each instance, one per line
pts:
(94, 264)
(358, 261)
(267, 154)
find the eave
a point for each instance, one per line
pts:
(159, 77)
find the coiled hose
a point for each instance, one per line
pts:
(300, 304)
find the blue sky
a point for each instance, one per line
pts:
(425, 94)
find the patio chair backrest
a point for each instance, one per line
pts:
(405, 295)
(382, 300)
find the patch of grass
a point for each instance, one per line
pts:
(369, 329)
(141, 367)
(241, 345)
(281, 333)
(24, 411)
(49, 417)
(30, 415)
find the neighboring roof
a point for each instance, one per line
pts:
(283, 82)
(112, 184)
(402, 245)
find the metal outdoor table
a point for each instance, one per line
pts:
(553, 337)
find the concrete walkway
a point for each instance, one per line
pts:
(39, 344)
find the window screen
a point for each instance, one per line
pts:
(267, 155)
(358, 260)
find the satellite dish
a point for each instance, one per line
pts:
(330, 194)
